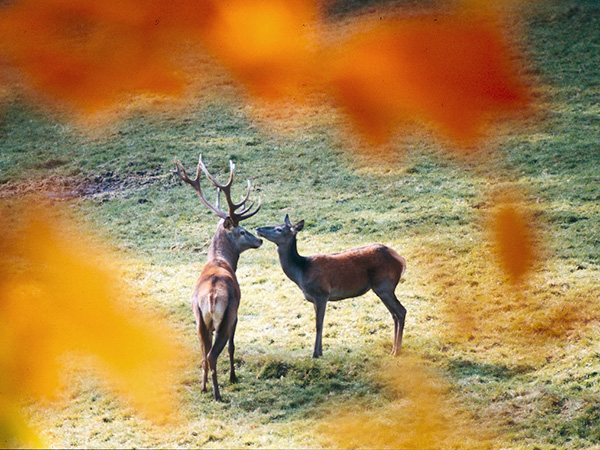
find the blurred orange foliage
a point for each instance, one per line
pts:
(514, 240)
(269, 45)
(452, 71)
(86, 54)
(57, 295)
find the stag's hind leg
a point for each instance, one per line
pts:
(231, 348)
(388, 297)
(223, 334)
(205, 338)
(218, 346)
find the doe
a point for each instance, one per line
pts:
(337, 276)
(216, 297)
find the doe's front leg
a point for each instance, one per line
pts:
(320, 306)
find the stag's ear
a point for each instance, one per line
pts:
(228, 223)
(287, 221)
(298, 226)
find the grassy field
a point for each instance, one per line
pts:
(485, 363)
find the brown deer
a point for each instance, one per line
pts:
(337, 276)
(216, 298)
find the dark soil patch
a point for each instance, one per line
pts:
(59, 188)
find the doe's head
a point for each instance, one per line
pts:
(281, 234)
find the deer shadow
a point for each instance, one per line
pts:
(285, 387)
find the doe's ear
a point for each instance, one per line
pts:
(298, 226)
(228, 223)
(287, 222)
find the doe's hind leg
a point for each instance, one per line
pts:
(398, 312)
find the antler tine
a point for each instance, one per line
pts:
(244, 215)
(246, 209)
(181, 173)
(223, 187)
(226, 188)
(235, 217)
(237, 205)
(218, 203)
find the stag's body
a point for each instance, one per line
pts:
(216, 297)
(338, 276)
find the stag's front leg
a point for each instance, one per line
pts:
(320, 306)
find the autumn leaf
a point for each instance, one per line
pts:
(58, 296)
(87, 54)
(421, 414)
(514, 241)
(269, 45)
(452, 72)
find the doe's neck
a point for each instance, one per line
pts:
(292, 263)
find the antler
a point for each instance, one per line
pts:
(236, 217)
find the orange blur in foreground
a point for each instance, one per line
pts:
(86, 54)
(57, 297)
(269, 45)
(514, 242)
(453, 72)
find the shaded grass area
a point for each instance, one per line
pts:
(525, 365)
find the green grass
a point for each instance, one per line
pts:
(537, 392)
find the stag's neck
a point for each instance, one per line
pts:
(293, 265)
(222, 248)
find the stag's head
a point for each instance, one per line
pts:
(241, 238)
(281, 234)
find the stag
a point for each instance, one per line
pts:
(338, 276)
(216, 297)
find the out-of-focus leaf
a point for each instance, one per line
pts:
(269, 45)
(454, 72)
(514, 241)
(87, 54)
(58, 294)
